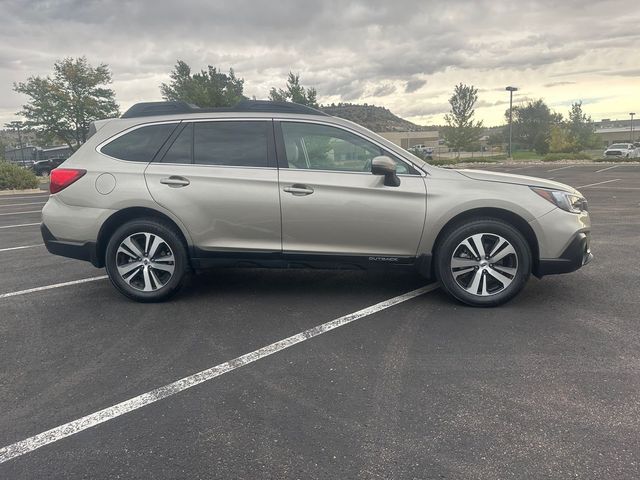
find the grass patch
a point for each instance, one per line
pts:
(554, 157)
(14, 177)
(526, 155)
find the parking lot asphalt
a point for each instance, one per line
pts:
(546, 386)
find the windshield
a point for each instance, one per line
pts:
(618, 145)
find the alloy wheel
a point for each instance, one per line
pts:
(145, 261)
(484, 264)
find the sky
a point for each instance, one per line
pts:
(403, 55)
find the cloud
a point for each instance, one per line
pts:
(402, 53)
(414, 85)
(383, 90)
(558, 84)
(634, 72)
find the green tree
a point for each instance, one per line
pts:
(532, 125)
(581, 128)
(560, 140)
(294, 92)
(62, 106)
(496, 139)
(461, 131)
(207, 88)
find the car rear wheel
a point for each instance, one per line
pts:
(146, 260)
(484, 262)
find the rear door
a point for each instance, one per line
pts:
(333, 204)
(220, 179)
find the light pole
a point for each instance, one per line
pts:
(510, 90)
(631, 129)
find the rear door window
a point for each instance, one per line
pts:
(232, 143)
(141, 144)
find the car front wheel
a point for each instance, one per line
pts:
(484, 262)
(146, 260)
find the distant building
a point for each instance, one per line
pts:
(30, 153)
(407, 140)
(609, 135)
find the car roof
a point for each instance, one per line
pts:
(160, 112)
(150, 109)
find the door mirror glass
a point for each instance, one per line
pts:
(385, 166)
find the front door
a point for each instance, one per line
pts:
(333, 204)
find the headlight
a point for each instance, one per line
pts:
(564, 200)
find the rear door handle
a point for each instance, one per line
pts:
(298, 189)
(175, 181)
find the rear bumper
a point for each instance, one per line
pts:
(576, 255)
(80, 251)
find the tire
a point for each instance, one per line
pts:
(477, 281)
(153, 275)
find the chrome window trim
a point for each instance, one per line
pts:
(178, 122)
(127, 130)
(421, 173)
(212, 166)
(98, 148)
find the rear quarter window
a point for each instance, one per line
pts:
(141, 144)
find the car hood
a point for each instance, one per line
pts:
(515, 179)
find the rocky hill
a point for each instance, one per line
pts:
(378, 119)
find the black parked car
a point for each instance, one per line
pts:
(44, 167)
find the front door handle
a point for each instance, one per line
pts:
(298, 189)
(175, 181)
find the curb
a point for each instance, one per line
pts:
(15, 192)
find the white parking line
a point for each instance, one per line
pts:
(599, 183)
(20, 248)
(58, 433)
(561, 168)
(18, 204)
(20, 225)
(608, 168)
(50, 287)
(18, 213)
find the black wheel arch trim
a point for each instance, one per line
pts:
(132, 213)
(513, 219)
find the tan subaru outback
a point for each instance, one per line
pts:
(169, 189)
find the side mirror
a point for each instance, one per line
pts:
(385, 166)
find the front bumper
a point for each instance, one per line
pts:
(576, 255)
(81, 251)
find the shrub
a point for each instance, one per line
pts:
(453, 161)
(617, 159)
(437, 162)
(553, 157)
(14, 177)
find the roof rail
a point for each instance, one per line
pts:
(150, 109)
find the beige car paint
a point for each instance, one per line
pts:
(362, 215)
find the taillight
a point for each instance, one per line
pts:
(61, 178)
